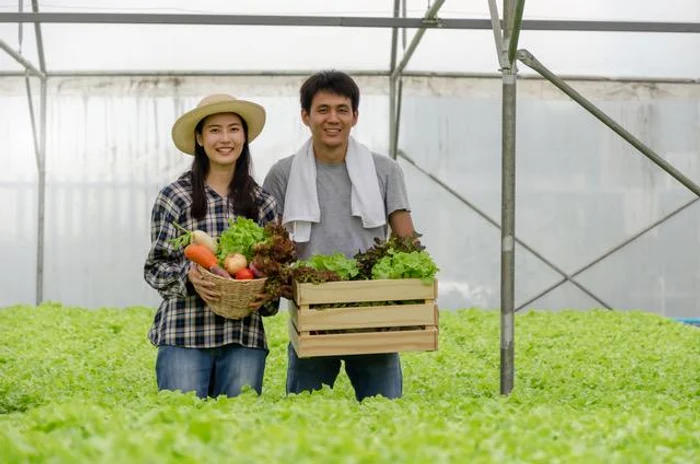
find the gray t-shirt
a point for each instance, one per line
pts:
(339, 230)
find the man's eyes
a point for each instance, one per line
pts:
(342, 110)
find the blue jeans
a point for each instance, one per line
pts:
(210, 371)
(369, 374)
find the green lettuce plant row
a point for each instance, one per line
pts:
(77, 385)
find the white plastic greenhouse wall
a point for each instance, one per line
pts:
(114, 91)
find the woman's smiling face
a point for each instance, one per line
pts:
(222, 138)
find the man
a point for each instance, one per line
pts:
(335, 195)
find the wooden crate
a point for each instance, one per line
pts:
(367, 326)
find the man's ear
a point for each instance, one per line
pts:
(305, 117)
(355, 116)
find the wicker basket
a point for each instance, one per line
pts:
(236, 295)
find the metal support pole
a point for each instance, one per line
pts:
(515, 30)
(41, 161)
(39, 38)
(392, 118)
(32, 120)
(508, 212)
(498, 34)
(394, 37)
(532, 62)
(397, 82)
(20, 28)
(392, 84)
(41, 220)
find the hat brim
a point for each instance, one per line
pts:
(183, 129)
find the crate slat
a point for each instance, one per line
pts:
(363, 317)
(363, 291)
(363, 343)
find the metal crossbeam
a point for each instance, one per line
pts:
(344, 21)
(528, 58)
(21, 60)
(614, 249)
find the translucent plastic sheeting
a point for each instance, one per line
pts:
(660, 270)
(581, 190)
(593, 10)
(176, 48)
(18, 199)
(258, 7)
(611, 54)
(108, 153)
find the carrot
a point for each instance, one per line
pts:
(200, 254)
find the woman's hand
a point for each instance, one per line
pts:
(202, 287)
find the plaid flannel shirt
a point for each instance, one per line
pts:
(183, 318)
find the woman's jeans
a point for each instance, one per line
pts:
(210, 371)
(369, 374)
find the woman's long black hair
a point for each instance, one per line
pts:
(240, 190)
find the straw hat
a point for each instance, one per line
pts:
(183, 129)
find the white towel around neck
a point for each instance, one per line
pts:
(301, 207)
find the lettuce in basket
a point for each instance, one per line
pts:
(240, 237)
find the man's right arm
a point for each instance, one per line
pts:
(275, 184)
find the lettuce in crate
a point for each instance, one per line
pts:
(397, 258)
(327, 265)
(402, 265)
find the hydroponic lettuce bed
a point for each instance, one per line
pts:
(77, 385)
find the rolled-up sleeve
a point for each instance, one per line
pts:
(396, 193)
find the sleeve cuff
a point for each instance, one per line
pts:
(186, 285)
(270, 309)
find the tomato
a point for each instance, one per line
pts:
(244, 274)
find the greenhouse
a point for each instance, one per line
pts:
(550, 152)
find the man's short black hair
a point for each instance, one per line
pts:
(335, 82)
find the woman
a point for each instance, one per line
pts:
(197, 349)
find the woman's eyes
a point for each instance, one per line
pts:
(216, 130)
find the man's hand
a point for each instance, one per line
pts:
(287, 292)
(260, 300)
